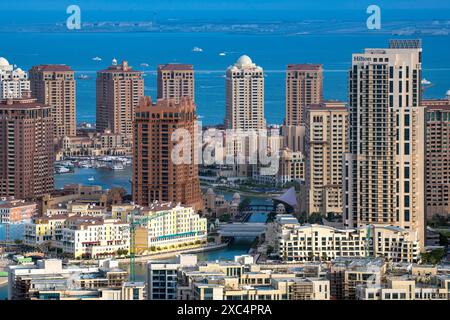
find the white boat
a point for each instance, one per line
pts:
(197, 49)
(117, 166)
(145, 65)
(62, 170)
(83, 77)
(97, 59)
(91, 179)
(222, 54)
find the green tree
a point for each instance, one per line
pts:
(244, 204)
(433, 257)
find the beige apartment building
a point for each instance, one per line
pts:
(326, 142)
(119, 89)
(245, 96)
(304, 86)
(176, 80)
(385, 170)
(54, 85)
(317, 242)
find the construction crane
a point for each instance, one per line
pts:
(135, 222)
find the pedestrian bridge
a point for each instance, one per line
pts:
(242, 229)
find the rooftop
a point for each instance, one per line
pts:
(176, 66)
(304, 67)
(52, 68)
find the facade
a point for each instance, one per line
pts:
(316, 242)
(176, 81)
(384, 174)
(54, 85)
(13, 81)
(162, 277)
(241, 279)
(326, 143)
(437, 157)
(16, 211)
(13, 216)
(245, 96)
(156, 176)
(97, 144)
(50, 280)
(347, 274)
(406, 287)
(119, 89)
(304, 86)
(173, 227)
(26, 148)
(79, 236)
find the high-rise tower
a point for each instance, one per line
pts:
(119, 89)
(384, 178)
(54, 85)
(156, 176)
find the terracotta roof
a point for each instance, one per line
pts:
(304, 67)
(52, 68)
(175, 66)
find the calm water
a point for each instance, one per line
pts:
(3, 292)
(105, 178)
(273, 53)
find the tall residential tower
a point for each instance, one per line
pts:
(384, 175)
(13, 81)
(175, 81)
(326, 143)
(156, 176)
(119, 89)
(54, 85)
(26, 148)
(245, 96)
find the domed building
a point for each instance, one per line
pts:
(13, 82)
(245, 95)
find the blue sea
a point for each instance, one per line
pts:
(272, 52)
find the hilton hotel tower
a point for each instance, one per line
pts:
(384, 171)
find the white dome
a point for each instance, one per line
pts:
(448, 93)
(3, 62)
(244, 61)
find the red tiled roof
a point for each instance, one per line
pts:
(52, 68)
(175, 66)
(304, 67)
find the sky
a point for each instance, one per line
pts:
(52, 11)
(200, 5)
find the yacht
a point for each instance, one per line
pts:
(97, 59)
(197, 49)
(91, 179)
(117, 166)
